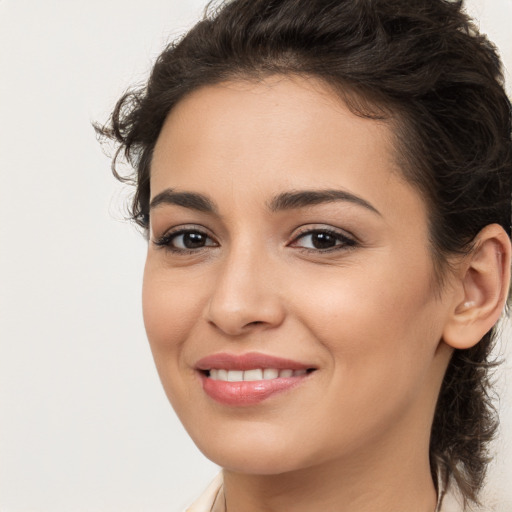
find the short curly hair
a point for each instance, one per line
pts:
(422, 65)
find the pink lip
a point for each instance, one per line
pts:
(248, 361)
(250, 392)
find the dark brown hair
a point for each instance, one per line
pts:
(422, 65)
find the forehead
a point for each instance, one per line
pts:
(280, 133)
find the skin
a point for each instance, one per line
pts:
(365, 314)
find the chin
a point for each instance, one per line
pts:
(254, 454)
(253, 464)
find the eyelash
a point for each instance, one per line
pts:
(346, 242)
(165, 241)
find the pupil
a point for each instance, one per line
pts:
(323, 240)
(193, 240)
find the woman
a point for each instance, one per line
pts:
(325, 186)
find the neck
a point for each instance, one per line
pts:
(355, 486)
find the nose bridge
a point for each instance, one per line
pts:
(245, 292)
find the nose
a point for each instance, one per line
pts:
(245, 294)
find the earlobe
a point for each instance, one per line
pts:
(484, 281)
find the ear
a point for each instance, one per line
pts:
(483, 281)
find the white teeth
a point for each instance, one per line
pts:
(235, 375)
(270, 373)
(253, 375)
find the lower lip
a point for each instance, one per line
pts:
(248, 392)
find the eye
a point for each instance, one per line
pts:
(185, 241)
(323, 240)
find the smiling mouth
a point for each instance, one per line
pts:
(243, 388)
(252, 375)
(241, 380)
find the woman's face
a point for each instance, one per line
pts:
(285, 249)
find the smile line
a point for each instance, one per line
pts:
(254, 374)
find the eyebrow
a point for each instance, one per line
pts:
(305, 198)
(190, 200)
(284, 201)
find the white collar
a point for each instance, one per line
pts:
(207, 499)
(448, 501)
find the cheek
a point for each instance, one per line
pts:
(171, 308)
(381, 343)
(375, 322)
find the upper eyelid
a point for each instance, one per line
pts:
(165, 240)
(307, 229)
(345, 240)
(183, 228)
(300, 231)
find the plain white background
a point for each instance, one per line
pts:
(84, 424)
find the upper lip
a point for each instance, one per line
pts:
(248, 361)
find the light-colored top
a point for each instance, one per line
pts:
(212, 500)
